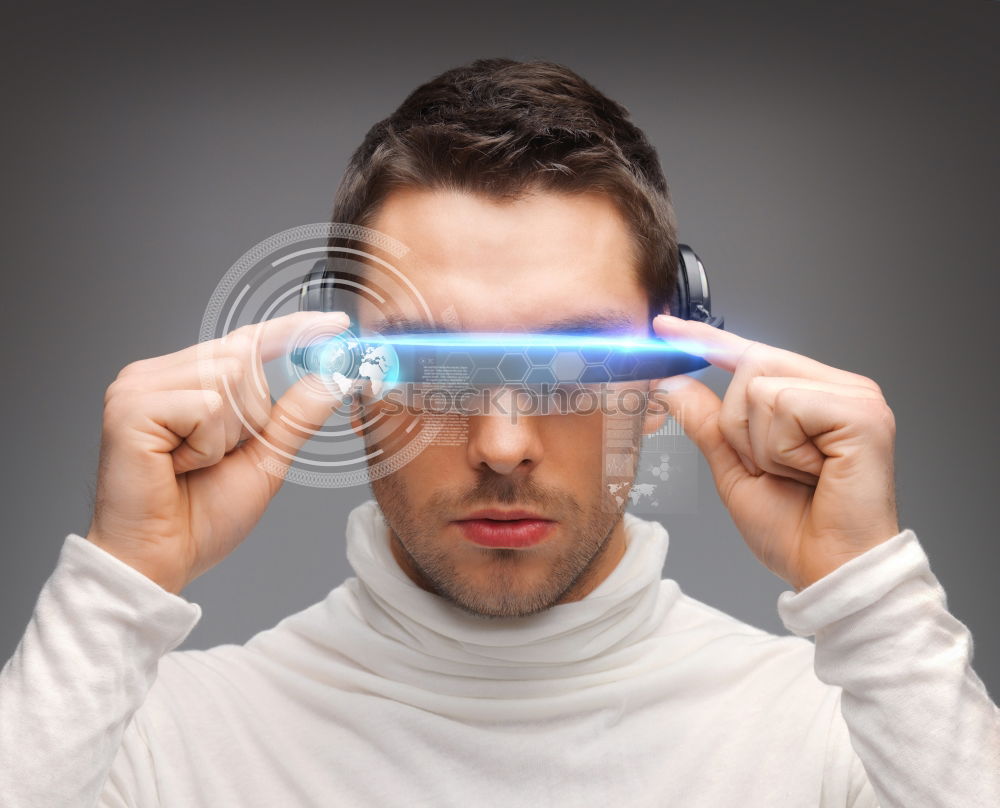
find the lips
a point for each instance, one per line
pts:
(503, 516)
(511, 529)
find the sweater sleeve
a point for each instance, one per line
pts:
(918, 716)
(83, 667)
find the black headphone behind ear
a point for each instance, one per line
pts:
(317, 292)
(691, 299)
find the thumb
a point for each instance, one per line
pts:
(696, 407)
(295, 417)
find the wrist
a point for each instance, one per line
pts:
(815, 569)
(170, 579)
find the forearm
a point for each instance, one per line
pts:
(84, 666)
(919, 717)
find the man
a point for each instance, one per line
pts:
(448, 672)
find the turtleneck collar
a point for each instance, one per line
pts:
(419, 632)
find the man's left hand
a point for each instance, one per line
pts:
(801, 452)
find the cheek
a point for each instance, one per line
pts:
(574, 444)
(586, 452)
(441, 463)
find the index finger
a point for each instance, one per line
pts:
(271, 338)
(726, 350)
(722, 348)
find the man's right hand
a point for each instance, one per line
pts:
(182, 480)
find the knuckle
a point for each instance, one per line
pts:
(116, 409)
(213, 372)
(233, 369)
(217, 453)
(879, 416)
(214, 452)
(208, 349)
(213, 403)
(864, 381)
(733, 429)
(132, 368)
(756, 386)
(887, 418)
(751, 355)
(782, 398)
(116, 388)
(207, 454)
(238, 342)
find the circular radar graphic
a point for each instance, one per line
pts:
(359, 441)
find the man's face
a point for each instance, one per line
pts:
(545, 262)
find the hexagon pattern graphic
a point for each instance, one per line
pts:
(544, 366)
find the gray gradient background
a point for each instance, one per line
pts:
(835, 165)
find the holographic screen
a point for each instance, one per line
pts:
(398, 395)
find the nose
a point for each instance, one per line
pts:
(504, 441)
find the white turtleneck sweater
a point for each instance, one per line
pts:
(385, 695)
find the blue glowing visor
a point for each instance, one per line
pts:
(496, 358)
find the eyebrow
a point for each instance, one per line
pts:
(613, 322)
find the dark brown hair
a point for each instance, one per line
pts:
(503, 128)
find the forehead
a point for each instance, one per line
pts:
(526, 264)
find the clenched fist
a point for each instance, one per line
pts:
(190, 446)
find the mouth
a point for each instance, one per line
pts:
(497, 528)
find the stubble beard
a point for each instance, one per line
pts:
(413, 532)
(588, 528)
